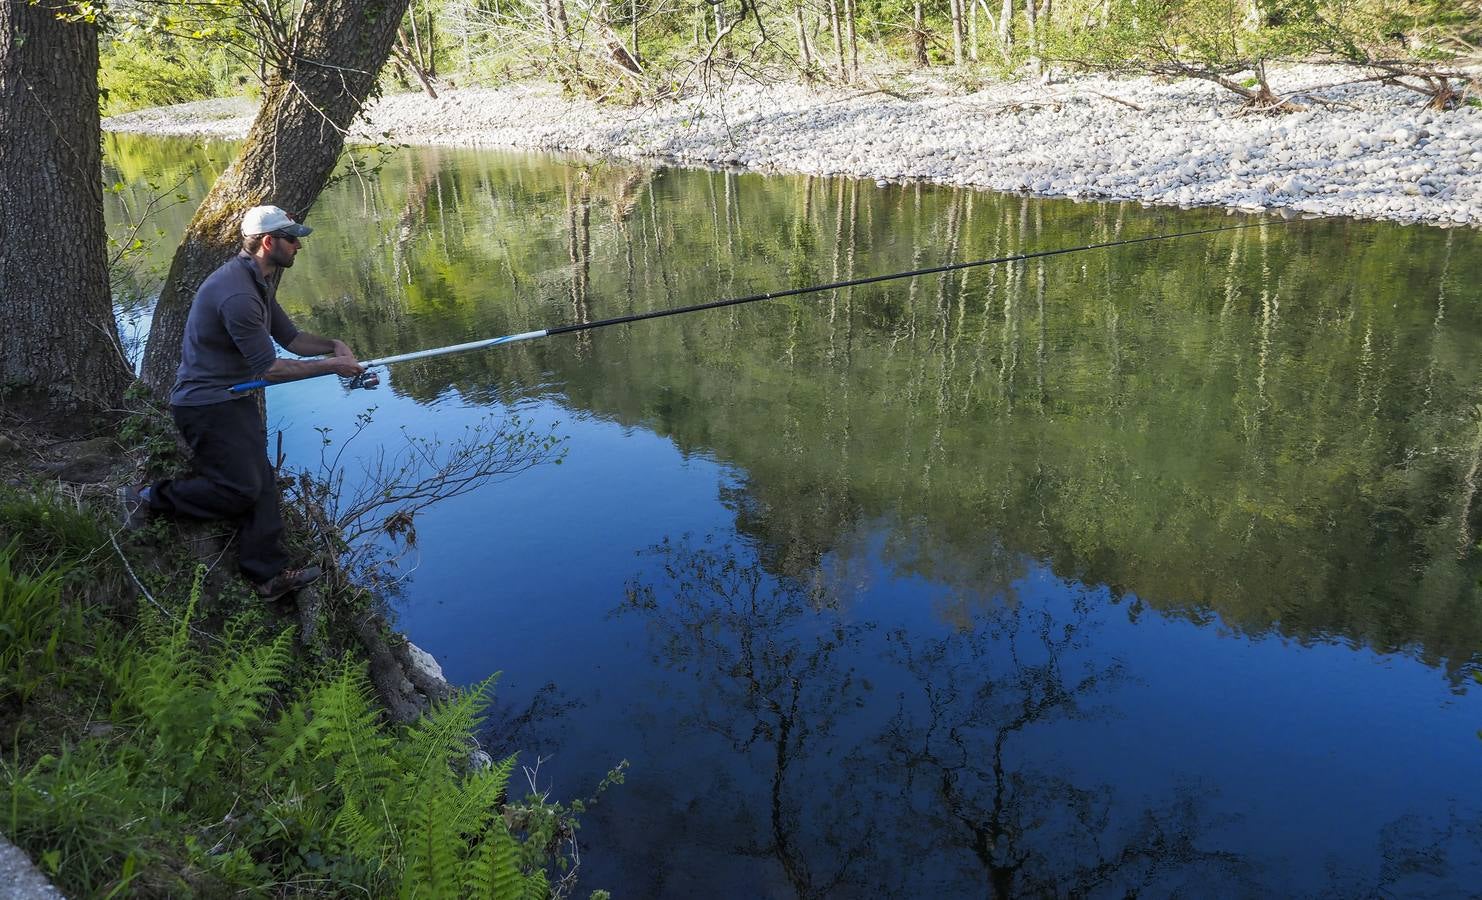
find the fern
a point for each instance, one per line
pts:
(290, 737)
(504, 863)
(166, 687)
(169, 669)
(482, 791)
(359, 750)
(477, 876)
(440, 738)
(433, 845)
(478, 813)
(536, 887)
(238, 692)
(293, 786)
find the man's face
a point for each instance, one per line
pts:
(282, 249)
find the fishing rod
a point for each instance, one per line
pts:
(753, 298)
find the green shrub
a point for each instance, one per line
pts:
(141, 73)
(215, 774)
(44, 529)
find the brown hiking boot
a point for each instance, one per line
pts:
(286, 582)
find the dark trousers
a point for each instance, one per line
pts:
(236, 481)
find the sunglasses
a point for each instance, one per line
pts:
(286, 237)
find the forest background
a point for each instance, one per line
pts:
(643, 50)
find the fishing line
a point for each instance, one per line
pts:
(754, 298)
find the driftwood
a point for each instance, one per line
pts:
(1127, 103)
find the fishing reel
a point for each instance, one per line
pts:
(368, 380)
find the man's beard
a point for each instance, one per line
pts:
(283, 260)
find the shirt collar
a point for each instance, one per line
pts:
(245, 259)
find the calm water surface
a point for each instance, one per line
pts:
(1144, 570)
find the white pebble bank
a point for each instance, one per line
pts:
(1370, 151)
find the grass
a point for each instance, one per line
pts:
(188, 747)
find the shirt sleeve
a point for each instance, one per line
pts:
(280, 326)
(246, 321)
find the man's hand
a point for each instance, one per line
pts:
(341, 360)
(345, 364)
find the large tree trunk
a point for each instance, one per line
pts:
(289, 153)
(59, 352)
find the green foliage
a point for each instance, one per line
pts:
(149, 429)
(158, 70)
(1218, 39)
(1183, 37)
(1415, 30)
(33, 626)
(214, 772)
(190, 53)
(45, 529)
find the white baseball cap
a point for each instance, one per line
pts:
(264, 219)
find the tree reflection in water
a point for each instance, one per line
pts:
(766, 657)
(1419, 856)
(1019, 830)
(936, 798)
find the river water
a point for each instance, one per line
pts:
(1150, 569)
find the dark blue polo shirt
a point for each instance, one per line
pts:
(227, 335)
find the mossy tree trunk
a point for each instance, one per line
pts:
(321, 82)
(60, 360)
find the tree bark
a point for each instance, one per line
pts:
(289, 153)
(836, 27)
(972, 29)
(918, 35)
(416, 37)
(851, 13)
(957, 33)
(432, 40)
(805, 55)
(1029, 16)
(60, 359)
(633, 51)
(402, 53)
(548, 14)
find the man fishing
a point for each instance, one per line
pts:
(229, 336)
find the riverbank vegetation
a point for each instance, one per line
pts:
(631, 51)
(165, 733)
